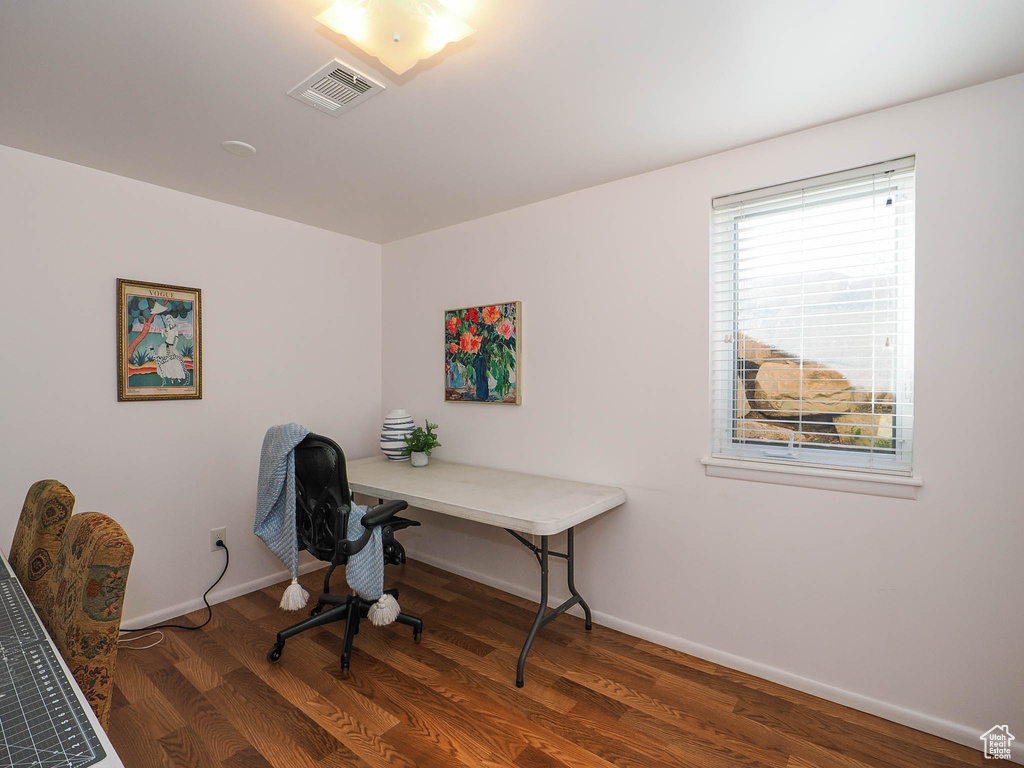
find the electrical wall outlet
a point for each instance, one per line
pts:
(217, 534)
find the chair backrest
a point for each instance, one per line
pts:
(322, 500)
(48, 506)
(83, 603)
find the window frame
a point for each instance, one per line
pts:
(726, 448)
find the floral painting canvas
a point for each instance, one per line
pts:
(481, 358)
(158, 342)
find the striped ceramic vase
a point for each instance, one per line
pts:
(397, 425)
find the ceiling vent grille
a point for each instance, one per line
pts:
(335, 88)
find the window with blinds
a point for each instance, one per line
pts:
(812, 321)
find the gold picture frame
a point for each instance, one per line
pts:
(159, 341)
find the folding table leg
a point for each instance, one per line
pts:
(543, 555)
(570, 550)
(539, 621)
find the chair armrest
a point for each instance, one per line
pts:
(398, 523)
(381, 514)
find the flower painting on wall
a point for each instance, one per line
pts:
(158, 342)
(481, 354)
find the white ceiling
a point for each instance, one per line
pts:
(549, 96)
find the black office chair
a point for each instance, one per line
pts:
(322, 505)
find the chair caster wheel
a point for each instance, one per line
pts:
(316, 610)
(417, 637)
(274, 654)
(344, 673)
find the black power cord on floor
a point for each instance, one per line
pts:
(209, 609)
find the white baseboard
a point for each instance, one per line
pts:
(219, 596)
(946, 729)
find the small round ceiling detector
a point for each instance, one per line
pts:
(239, 148)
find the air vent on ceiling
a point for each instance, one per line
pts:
(335, 88)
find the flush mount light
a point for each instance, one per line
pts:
(239, 148)
(399, 32)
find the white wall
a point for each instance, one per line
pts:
(289, 334)
(910, 609)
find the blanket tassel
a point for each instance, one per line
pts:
(294, 597)
(384, 611)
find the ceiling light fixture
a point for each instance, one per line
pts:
(399, 32)
(239, 148)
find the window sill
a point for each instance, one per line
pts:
(893, 486)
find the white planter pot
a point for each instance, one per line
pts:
(419, 459)
(397, 425)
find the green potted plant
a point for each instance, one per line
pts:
(420, 443)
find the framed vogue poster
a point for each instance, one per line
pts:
(159, 341)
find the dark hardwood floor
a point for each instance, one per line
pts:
(592, 699)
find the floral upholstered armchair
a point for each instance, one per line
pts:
(46, 512)
(83, 602)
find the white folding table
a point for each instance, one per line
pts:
(519, 503)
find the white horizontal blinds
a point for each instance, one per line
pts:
(812, 307)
